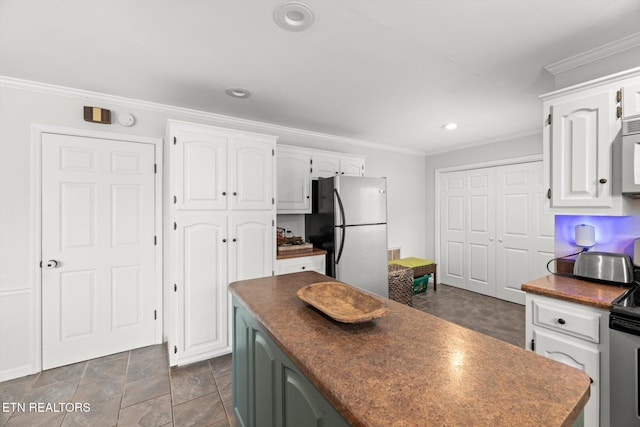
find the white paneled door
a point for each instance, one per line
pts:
(480, 252)
(524, 231)
(494, 234)
(98, 247)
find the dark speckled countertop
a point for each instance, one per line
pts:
(413, 369)
(575, 290)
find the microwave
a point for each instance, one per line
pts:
(631, 157)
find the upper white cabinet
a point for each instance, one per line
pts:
(220, 228)
(581, 147)
(325, 166)
(294, 180)
(297, 167)
(215, 168)
(351, 166)
(631, 100)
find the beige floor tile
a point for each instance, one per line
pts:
(103, 414)
(152, 413)
(145, 389)
(202, 411)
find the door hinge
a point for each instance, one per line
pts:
(273, 151)
(619, 112)
(273, 222)
(549, 194)
(273, 201)
(174, 140)
(549, 119)
(619, 95)
(533, 344)
(155, 168)
(155, 314)
(155, 240)
(175, 225)
(175, 200)
(175, 287)
(175, 349)
(273, 273)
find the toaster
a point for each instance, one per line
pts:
(604, 266)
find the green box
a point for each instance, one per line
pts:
(420, 284)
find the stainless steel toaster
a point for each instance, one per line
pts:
(604, 266)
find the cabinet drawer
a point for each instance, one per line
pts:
(572, 321)
(294, 265)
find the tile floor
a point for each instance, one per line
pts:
(138, 388)
(491, 316)
(126, 389)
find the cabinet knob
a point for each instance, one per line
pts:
(234, 240)
(303, 267)
(235, 194)
(224, 240)
(224, 193)
(562, 321)
(603, 180)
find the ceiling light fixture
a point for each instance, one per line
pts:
(293, 16)
(450, 126)
(238, 92)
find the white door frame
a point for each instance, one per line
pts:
(36, 220)
(488, 164)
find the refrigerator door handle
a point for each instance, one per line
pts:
(342, 218)
(341, 226)
(343, 231)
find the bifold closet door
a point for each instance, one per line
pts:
(494, 234)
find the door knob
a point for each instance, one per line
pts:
(52, 263)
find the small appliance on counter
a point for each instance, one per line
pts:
(607, 267)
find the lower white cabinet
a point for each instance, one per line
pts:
(576, 335)
(306, 263)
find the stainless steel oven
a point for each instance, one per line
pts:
(624, 325)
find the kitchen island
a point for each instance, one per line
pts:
(406, 369)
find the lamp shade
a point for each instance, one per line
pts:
(585, 235)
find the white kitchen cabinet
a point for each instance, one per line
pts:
(324, 165)
(581, 147)
(294, 180)
(220, 227)
(251, 246)
(631, 99)
(306, 263)
(199, 285)
(576, 335)
(351, 166)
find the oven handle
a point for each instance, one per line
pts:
(624, 325)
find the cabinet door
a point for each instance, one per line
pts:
(582, 133)
(631, 100)
(200, 170)
(324, 166)
(352, 167)
(556, 347)
(294, 182)
(242, 391)
(266, 389)
(251, 246)
(251, 177)
(200, 283)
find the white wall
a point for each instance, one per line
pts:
(23, 104)
(519, 147)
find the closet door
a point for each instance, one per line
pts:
(480, 247)
(453, 229)
(524, 232)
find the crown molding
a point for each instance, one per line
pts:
(595, 54)
(235, 122)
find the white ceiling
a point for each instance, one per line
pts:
(384, 71)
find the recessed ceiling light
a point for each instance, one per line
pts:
(293, 16)
(238, 92)
(450, 126)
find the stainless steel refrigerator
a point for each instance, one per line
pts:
(349, 220)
